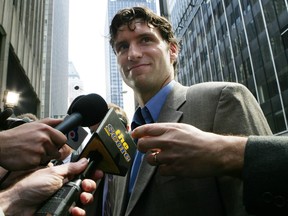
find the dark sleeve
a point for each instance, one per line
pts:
(265, 175)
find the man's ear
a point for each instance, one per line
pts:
(173, 52)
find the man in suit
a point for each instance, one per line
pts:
(146, 51)
(261, 161)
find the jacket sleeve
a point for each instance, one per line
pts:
(265, 175)
(238, 113)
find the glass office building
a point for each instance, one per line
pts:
(241, 41)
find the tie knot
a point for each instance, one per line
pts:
(147, 115)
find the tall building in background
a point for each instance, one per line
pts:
(243, 41)
(115, 89)
(54, 101)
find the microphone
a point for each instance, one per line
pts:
(60, 203)
(111, 149)
(4, 115)
(114, 143)
(85, 110)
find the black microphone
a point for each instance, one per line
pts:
(86, 111)
(4, 115)
(111, 149)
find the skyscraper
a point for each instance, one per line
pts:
(242, 41)
(55, 59)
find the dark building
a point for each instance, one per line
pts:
(21, 34)
(241, 41)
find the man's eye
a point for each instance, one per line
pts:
(146, 39)
(121, 48)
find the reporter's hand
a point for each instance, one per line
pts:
(187, 151)
(31, 144)
(27, 195)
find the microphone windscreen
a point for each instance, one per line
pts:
(69, 111)
(92, 107)
(5, 114)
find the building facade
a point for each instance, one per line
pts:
(34, 55)
(241, 41)
(55, 62)
(21, 33)
(115, 89)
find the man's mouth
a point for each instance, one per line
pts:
(136, 66)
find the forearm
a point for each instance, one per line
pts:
(8, 201)
(12, 203)
(231, 154)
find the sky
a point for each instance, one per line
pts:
(86, 43)
(86, 47)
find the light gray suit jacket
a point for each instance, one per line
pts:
(219, 107)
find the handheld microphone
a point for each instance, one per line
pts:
(85, 111)
(4, 115)
(111, 149)
(67, 196)
(114, 143)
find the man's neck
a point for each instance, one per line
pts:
(143, 97)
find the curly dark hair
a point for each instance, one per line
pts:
(126, 16)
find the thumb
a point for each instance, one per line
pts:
(50, 121)
(70, 169)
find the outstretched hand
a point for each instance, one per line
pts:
(31, 144)
(27, 195)
(185, 150)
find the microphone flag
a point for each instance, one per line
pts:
(76, 136)
(114, 143)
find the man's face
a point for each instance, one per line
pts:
(145, 59)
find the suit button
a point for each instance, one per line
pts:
(267, 197)
(279, 201)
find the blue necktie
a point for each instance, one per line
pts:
(138, 156)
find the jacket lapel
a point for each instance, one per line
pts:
(145, 173)
(169, 113)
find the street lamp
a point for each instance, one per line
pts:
(10, 99)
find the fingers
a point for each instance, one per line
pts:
(145, 144)
(65, 151)
(88, 185)
(50, 121)
(86, 198)
(148, 130)
(153, 136)
(68, 170)
(155, 158)
(165, 167)
(51, 150)
(144, 131)
(98, 174)
(76, 211)
(57, 137)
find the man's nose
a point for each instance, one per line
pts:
(134, 52)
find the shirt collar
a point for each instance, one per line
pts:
(153, 106)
